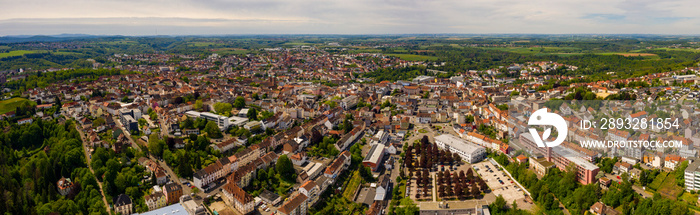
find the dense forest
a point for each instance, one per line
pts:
(34, 157)
(42, 80)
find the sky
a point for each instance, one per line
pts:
(219, 17)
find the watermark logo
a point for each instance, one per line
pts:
(542, 117)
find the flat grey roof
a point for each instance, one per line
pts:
(458, 143)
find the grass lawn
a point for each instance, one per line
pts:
(423, 131)
(355, 181)
(658, 180)
(12, 104)
(413, 57)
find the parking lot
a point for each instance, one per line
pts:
(499, 182)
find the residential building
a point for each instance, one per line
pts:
(65, 186)
(155, 200)
(238, 198)
(692, 176)
(122, 204)
(310, 189)
(601, 209)
(296, 205)
(172, 193)
(339, 164)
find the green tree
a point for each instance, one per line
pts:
(213, 130)
(239, 102)
(252, 114)
(223, 108)
(498, 206)
(98, 122)
(155, 145)
(153, 115)
(285, 168)
(198, 105)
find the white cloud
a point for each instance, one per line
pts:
(140, 17)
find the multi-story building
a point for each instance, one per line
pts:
(310, 189)
(238, 198)
(65, 186)
(155, 200)
(692, 176)
(541, 165)
(672, 161)
(374, 158)
(469, 152)
(585, 171)
(122, 204)
(339, 164)
(562, 157)
(129, 119)
(221, 121)
(204, 176)
(296, 205)
(172, 193)
(349, 102)
(350, 137)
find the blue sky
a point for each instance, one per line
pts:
(200, 17)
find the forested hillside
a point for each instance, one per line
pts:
(34, 157)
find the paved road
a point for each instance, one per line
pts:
(186, 190)
(89, 159)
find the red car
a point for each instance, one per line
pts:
(618, 177)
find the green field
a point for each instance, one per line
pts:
(203, 44)
(565, 51)
(670, 49)
(365, 50)
(297, 44)
(413, 57)
(12, 104)
(23, 52)
(230, 51)
(16, 53)
(539, 50)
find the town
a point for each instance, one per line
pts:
(304, 130)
